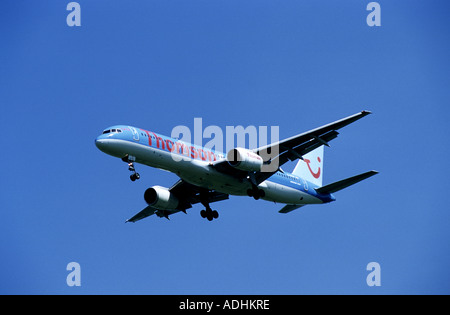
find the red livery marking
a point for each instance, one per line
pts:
(171, 145)
(180, 148)
(211, 156)
(317, 174)
(202, 154)
(149, 137)
(159, 141)
(194, 154)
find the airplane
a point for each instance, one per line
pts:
(207, 176)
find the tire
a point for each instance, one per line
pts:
(203, 213)
(215, 214)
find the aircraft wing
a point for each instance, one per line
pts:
(318, 135)
(292, 148)
(295, 147)
(188, 195)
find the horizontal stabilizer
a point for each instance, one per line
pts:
(289, 208)
(334, 187)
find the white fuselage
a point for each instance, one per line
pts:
(201, 173)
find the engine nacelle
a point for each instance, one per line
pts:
(244, 159)
(161, 198)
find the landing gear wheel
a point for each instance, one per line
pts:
(134, 176)
(130, 160)
(256, 193)
(207, 213)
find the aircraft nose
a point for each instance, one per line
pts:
(100, 143)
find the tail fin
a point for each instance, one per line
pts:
(311, 167)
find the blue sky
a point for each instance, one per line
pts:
(159, 64)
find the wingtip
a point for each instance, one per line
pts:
(366, 112)
(372, 173)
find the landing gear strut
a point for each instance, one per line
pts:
(208, 212)
(254, 192)
(130, 160)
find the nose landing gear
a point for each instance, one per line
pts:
(135, 176)
(130, 160)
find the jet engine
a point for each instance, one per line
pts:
(161, 198)
(244, 159)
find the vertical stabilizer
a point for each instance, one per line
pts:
(311, 167)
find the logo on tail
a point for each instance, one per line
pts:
(314, 174)
(311, 167)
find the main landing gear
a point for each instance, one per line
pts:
(255, 192)
(130, 160)
(208, 212)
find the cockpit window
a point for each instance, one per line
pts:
(111, 130)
